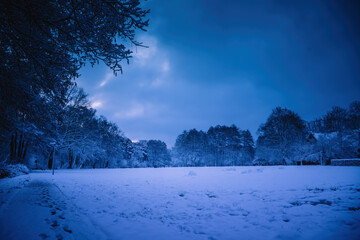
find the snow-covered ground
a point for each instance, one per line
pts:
(308, 202)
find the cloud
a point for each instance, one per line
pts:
(97, 101)
(135, 111)
(97, 104)
(138, 110)
(166, 66)
(161, 79)
(107, 78)
(144, 55)
(155, 61)
(157, 82)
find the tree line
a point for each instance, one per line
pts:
(219, 146)
(74, 136)
(285, 138)
(77, 138)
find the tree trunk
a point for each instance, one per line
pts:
(53, 162)
(18, 148)
(50, 162)
(13, 148)
(71, 159)
(20, 144)
(25, 150)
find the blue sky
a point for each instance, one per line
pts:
(231, 62)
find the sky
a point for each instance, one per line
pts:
(228, 62)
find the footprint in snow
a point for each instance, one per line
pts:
(66, 229)
(322, 201)
(59, 237)
(55, 224)
(43, 236)
(192, 173)
(211, 195)
(230, 169)
(297, 203)
(354, 208)
(349, 223)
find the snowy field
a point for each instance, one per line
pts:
(309, 202)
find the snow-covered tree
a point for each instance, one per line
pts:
(139, 157)
(337, 133)
(191, 148)
(248, 147)
(282, 132)
(335, 120)
(354, 115)
(225, 145)
(157, 154)
(219, 146)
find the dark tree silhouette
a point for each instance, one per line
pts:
(43, 44)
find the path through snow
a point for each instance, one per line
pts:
(35, 208)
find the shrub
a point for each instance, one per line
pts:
(13, 170)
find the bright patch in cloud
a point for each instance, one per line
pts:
(166, 66)
(155, 61)
(137, 110)
(134, 112)
(157, 82)
(97, 104)
(107, 78)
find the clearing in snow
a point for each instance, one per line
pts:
(293, 202)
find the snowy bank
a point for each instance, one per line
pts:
(13, 170)
(345, 162)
